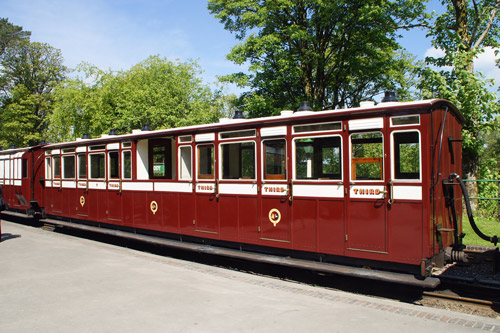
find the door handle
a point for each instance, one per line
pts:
(391, 194)
(289, 191)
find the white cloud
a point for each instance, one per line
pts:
(484, 63)
(433, 52)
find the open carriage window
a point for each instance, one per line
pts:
(69, 167)
(318, 158)
(97, 166)
(238, 160)
(406, 155)
(160, 154)
(275, 159)
(367, 156)
(24, 168)
(114, 164)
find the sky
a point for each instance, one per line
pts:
(117, 34)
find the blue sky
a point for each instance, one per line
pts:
(117, 34)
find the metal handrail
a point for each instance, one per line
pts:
(485, 181)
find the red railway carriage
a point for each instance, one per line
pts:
(355, 184)
(18, 168)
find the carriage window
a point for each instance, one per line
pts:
(160, 152)
(238, 160)
(367, 156)
(318, 158)
(186, 138)
(97, 166)
(275, 159)
(57, 166)
(68, 166)
(82, 166)
(48, 168)
(206, 162)
(114, 164)
(24, 168)
(7, 169)
(405, 120)
(406, 155)
(318, 127)
(185, 163)
(237, 134)
(127, 164)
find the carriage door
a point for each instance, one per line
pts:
(114, 211)
(367, 199)
(206, 190)
(275, 196)
(406, 214)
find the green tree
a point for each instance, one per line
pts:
(10, 34)
(29, 72)
(18, 120)
(489, 168)
(332, 53)
(157, 92)
(462, 32)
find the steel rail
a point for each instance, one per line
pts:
(460, 298)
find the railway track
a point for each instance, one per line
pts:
(448, 295)
(447, 299)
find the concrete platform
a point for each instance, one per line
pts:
(51, 282)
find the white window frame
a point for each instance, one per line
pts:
(393, 156)
(63, 163)
(123, 164)
(294, 158)
(89, 165)
(255, 160)
(383, 159)
(262, 160)
(180, 160)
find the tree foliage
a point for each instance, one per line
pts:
(332, 53)
(157, 92)
(28, 74)
(462, 32)
(10, 34)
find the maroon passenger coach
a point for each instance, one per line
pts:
(359, 184)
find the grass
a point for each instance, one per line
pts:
(488, 226)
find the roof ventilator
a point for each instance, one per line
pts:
(238, 114)
(304, 106)
(389, 96)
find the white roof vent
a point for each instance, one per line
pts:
(286, 113)
(367, 104)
